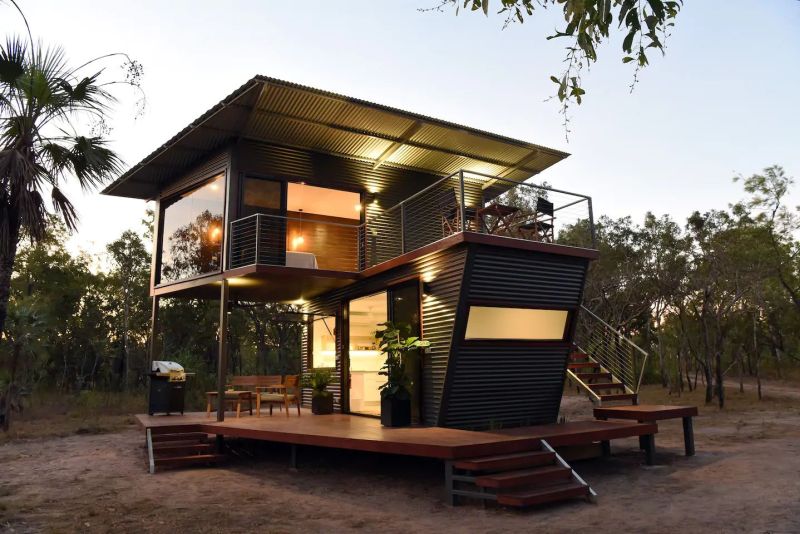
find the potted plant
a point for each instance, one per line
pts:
(321, 399)
(394, 342)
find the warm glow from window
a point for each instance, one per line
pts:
(515, 323)
(324, 342)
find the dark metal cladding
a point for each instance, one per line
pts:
(502, 384)
(526, 279)
(441, 273)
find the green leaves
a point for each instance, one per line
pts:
(393, 343)
(588, 23)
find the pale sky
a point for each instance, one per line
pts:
(722, 101)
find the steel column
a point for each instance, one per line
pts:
(153, 330)
(688, 436)
(222, 359)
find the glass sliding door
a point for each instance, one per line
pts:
(401, 305)
(365, 359)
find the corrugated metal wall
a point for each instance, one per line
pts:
(502, 383)
(442, 272)
(387, 185)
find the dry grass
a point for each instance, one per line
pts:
(49, 415)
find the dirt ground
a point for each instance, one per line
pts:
(744, 478)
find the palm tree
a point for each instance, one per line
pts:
(43, 105)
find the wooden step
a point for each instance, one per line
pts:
(607, 385)
(183, 436)
(182, 449)
(507, 461)
(618, 396)
(583, 365)
(590, 376)
(557, 492)
(184, 461)
(545, 474)
(578, 356)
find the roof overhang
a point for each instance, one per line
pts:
(275, 111)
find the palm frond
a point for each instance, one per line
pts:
(64, 208)
(12, 60)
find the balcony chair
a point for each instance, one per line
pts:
(450, 209)
(540, 226)
(281, 394)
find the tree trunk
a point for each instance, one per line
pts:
(720, 377)
(6, 270)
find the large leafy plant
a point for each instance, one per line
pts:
(318, 380)
(395, 341)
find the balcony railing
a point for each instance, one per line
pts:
(462, 202)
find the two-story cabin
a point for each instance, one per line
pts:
(361, 213)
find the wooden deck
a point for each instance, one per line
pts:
(359, 433)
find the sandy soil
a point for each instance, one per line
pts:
(745, 478)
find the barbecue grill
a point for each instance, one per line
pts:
(167, 387)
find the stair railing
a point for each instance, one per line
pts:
(610, 348)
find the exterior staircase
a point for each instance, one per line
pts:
(180, 446)
(521, 479)
(604, 363)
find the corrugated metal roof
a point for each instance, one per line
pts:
(277, 111)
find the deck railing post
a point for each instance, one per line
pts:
(222, 357)
(258, 238)
(402, 227)
(463, 201)
(591, 223)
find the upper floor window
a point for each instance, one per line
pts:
(192, 231)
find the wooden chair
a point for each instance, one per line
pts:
(541, 225)
(450, 209)
(282, 394)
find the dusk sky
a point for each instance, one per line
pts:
(721, 102)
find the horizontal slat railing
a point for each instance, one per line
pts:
(610, 348)
(461, 202)
(309, 242)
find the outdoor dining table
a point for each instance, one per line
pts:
(232, 397)
(498, 219)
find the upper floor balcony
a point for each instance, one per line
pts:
(461, 202)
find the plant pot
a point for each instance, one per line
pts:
(322, 404)
(395, 411)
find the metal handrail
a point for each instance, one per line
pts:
(407, 231)
(619, 364)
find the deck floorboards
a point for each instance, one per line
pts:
(360, 433)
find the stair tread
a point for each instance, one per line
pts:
(175, 436)
(170, 445)
(196, 458)
(541, 474)
(539, 495)
(588, 376)
(581, 365)
(607, 385)
(513, 460)
(618, 396)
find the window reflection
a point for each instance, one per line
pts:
(192, 231)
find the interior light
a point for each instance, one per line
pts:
(357, 207)
(215, 232)
(214, 186)
(297, 241)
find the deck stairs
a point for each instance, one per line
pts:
(605, 364)
(537, 475)
(180, 446)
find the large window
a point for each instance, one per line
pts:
(515, 323)
(323, 342)
(191, 239)
(366, 359)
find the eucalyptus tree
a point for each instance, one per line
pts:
(646, 24)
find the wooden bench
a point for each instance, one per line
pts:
(651, 413)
